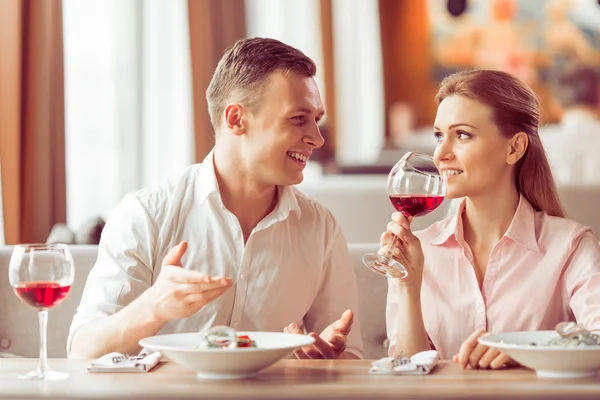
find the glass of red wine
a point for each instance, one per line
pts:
(41, 276)
(415, 188)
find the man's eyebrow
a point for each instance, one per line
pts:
(307, 111)
(455, 126)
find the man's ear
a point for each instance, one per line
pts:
(234, 118)
(518, 146)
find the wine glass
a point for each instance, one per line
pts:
(415, 188)
(41, 276)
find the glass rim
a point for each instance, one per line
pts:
(41, 246)
(409, 154)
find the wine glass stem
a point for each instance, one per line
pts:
(43, 318)
(389, 253)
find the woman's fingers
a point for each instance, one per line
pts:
(467, 348)
(398, 252)
(386, 238)
(487, 358)
(500, 361)
(476, 355)
(400, 218)
(397, 229)
(394, 231)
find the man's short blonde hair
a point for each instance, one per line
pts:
(245, 67)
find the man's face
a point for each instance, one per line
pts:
(282, 132)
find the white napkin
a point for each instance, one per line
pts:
(117, 362)
(420, 364)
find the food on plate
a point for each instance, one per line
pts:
(571, 334)
(224, 337)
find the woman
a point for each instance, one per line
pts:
(508, 260)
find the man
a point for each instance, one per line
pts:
(230, 242)
(572, 145)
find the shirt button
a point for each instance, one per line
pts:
(243, 276)
(5, 343)
(480, 309)
(235, 325)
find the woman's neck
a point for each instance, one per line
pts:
(487, 218)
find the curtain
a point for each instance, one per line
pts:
(2, 239)
(297, 23)
(129, 114)
(32, 115)
(358, 67)
(214, 26)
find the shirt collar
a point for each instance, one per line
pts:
(521, 230)
(207, 185)
(452, 228)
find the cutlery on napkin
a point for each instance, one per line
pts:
(419, 364)
(117, 362)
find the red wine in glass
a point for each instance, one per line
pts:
(415, 205)
(415, 187)
(41, 295)
(41, 276)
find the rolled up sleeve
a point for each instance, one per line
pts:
(124, 268)
(337, 293)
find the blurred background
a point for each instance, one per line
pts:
(102, 97)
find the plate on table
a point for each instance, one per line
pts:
(531, 349)
(226, 363)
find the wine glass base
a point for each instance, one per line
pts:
(385, 266)
(47, 375)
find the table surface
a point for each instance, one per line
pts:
(291, 379)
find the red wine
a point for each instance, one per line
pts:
(415, 205)
(41, 294)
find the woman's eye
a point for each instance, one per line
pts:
(298, 119)
(437, 135)
(463, 135)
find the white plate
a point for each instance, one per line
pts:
(182, 348)
(547, 361)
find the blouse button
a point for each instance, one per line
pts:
(5, 343)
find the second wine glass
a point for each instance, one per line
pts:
(41, 276)
(415, 188)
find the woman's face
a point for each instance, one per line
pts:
(471, 149)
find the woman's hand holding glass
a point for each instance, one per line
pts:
(415, 188)
(405, 248)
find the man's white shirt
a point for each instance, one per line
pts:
(295, 266)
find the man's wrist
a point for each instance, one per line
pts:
(149, 309)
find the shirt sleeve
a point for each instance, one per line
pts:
(123, 270)
(582, 278)
(338, 292)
